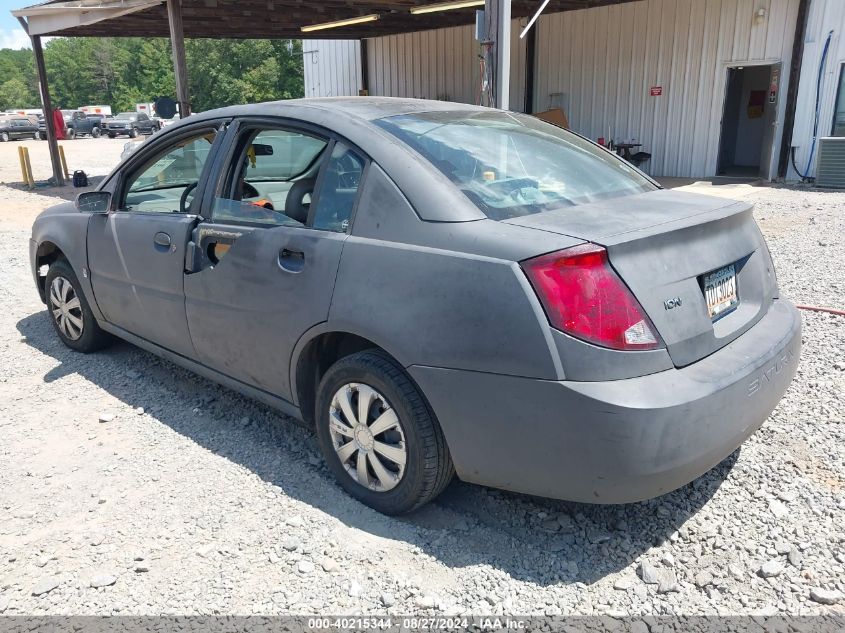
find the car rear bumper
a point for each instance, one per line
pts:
(616, 441)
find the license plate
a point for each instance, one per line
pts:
(720, 291)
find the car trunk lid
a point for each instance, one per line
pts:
(663, 244)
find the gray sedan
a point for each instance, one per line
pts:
(437, 289)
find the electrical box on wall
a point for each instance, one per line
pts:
(480, 31)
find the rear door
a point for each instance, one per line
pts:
(267, 259)
(136, 253)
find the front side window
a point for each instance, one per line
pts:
(511, 165)
(168, 183)
(839, 113)
(272, 178)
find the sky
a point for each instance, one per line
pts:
(11, 33)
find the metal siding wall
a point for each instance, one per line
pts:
(332, 68)
(441, 64)
(825, 16)
(604, 60)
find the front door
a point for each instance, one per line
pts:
(136, 254)
(268, 257)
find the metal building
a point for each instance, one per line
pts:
(708, 87)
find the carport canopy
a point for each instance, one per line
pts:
(273, 19)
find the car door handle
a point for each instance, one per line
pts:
(162, 239)
(291, 261)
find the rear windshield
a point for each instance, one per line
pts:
(512, 164)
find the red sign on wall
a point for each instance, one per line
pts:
(656, 91)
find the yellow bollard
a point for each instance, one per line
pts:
(64, 162)
(26, 166)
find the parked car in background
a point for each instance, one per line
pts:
(17, 127)
(82, 124)
(437, 288)
(131, 124)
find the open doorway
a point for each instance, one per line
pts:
(748, 121)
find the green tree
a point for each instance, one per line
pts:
(124, 71)
(15, 94)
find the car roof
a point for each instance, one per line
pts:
(364, 108)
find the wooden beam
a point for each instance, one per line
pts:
(365, 67)
(792, 90)
(47, 108)
(180, 66)
(530, 69)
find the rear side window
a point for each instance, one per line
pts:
(511, 165)
(339, 189)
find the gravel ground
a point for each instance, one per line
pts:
(130, 486)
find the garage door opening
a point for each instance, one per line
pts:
(748, 121)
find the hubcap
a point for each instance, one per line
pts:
(367, 437)
(67, 311)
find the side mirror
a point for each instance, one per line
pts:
(261, 149)
(94, 202)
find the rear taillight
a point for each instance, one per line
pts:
(584, 297)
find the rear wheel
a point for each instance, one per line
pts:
(71, 134)
(4, 136)
(95, 132)
(378, 435)
(36, 136)
(69, 311)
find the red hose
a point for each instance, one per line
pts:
(820, 309)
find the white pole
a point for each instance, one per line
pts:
(533, 19)
(503, 54)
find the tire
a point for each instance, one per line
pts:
(42, 136)
(90, 337)
(112, 135)
(71, 133)
(414, 434)
(36, 136)
(133, 133)
(4, 137)
(95, 132)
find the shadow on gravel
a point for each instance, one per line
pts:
(536, 540)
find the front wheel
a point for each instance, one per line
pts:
(378, 435)
(69, 311)
(71, 134)
(95, 132)
(36, 136)
(133, 133)
(4, 136)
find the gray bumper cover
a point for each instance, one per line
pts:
(615, 441)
